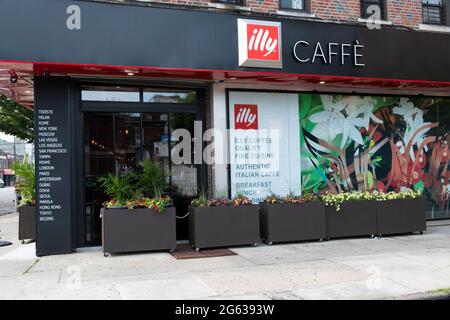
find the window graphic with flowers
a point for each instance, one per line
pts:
(374, 142)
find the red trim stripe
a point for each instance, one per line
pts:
(267, 73)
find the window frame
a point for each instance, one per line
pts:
(237, 3)
(306, 9)
(383, 5)
(444, 13)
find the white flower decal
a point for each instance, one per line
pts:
(407, 109)
(332, 115)
(358, 111)
(414, 120)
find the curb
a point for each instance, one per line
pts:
(6, 213)
(424, 296)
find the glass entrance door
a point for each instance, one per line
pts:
(117, 142)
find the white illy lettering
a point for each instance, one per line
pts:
(260, 41)
(246, 117)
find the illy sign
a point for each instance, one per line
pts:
(259, 44)
(245, 116)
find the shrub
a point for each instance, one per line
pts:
(120, 188)
(152, 181)
(26, 181)
(336, 200)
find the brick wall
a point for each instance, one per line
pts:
(400, 12)
(262, 5)
(405, 12)
(336, 10)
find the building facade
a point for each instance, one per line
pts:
(264, 96)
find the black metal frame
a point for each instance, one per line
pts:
(442, 12)
(306, 7)
(381, 3)
(81, 107)
(240, 3)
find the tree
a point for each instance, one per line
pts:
(16, 120)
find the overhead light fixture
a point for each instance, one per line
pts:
(27, 91)
(130, 73)
(14, 78)
(322, 82)
(233, 78)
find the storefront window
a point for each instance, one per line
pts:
(128, 136)
(433, 12)
(117, 142)
(161, 96)
(110, 94)
(377, 142)
(285, 142)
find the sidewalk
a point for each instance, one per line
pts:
(397, 267)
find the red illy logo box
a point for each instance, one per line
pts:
(246, 116)
(259, 43)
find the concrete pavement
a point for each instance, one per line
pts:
(394, 267)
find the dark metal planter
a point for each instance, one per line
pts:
(223, 226)
(284, 222)
(355, 218)
(27, 223)
(136, 230)
(401, 216)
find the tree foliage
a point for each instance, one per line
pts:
(26, 181)
(16, 120)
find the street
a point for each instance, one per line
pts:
(7, 200)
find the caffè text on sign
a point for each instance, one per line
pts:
(329, 53)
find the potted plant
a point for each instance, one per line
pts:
(350, 214)
(223, 222)
(138, 217)
(292, 218)
(26, 190)
(402, 212)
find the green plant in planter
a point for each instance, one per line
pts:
(26, 181)
(201, 200)
(291, 197)
(158, 204)
(405, 194)
(120, 188)
(152, 181)
(336, 200)
(241, 200)
(273, 198)
(332, 199)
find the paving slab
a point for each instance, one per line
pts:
(352, 290)
(318, 273)
(276, 254)
(246, 280)
(176, 285)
